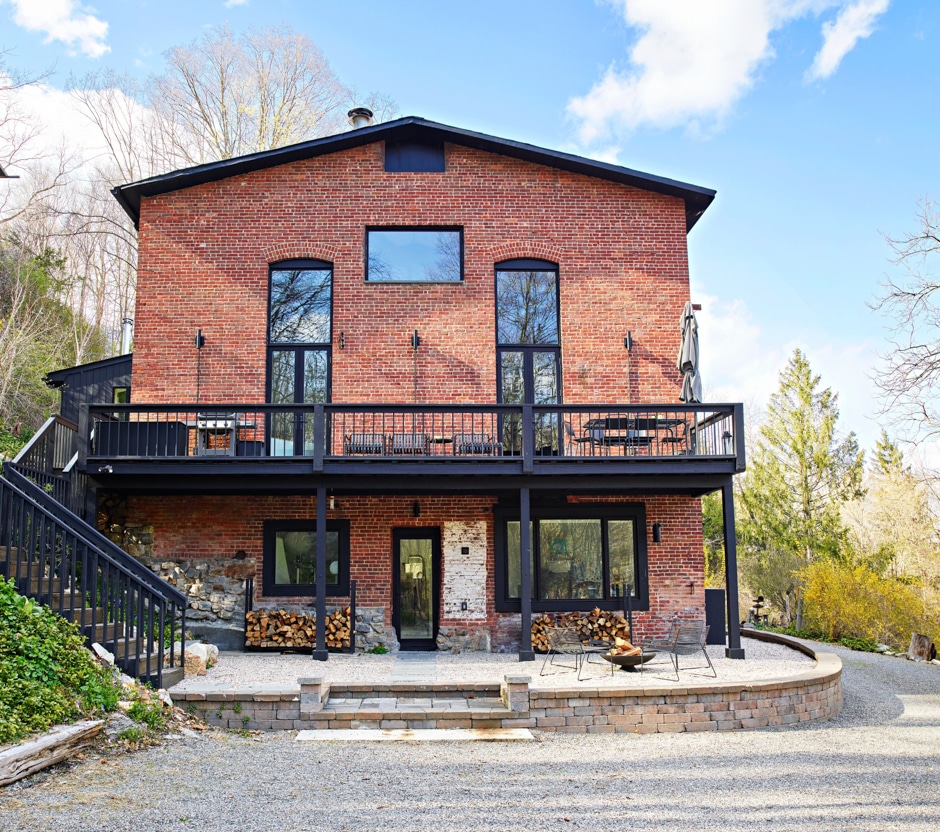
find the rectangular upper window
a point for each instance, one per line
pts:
(414, 255)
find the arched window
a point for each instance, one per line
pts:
(300, 332)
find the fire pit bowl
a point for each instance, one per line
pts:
(630, 662)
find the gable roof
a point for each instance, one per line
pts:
(411, 128)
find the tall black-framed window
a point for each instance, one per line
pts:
(290, 557)
(300, 332)
(528, 347)
(401, 254)
(582, 555)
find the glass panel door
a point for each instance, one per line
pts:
(416, 573)
(298, 376)
(529, 376)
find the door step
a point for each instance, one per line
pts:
(419, 735)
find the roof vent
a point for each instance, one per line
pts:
(360, 117)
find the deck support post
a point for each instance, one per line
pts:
(526, 654)
(734, 649)
(319, 652)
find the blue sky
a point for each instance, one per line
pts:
(817, 122)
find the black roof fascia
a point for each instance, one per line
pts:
(696, 198)
(58, 377)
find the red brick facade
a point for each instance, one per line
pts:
(205, 252)
(204, 255)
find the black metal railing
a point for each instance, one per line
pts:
(48, 461)
(57, 558)
(412, 432)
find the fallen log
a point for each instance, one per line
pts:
(58, 744)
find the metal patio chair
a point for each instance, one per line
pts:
(566, 641)
(364, 443)
(410, 443)
(473, 444)
(689, 640)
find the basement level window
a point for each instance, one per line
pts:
(290, 557)
(414, 255)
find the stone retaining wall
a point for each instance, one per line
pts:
(808, 697)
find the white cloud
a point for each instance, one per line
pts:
(66, 21)
(840, 36)
(232, 3)
(738, 364)
(693, 60)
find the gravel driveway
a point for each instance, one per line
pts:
(875, 767)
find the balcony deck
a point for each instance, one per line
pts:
(265, 447)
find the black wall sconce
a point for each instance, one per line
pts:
(342, 340)
(628, 342)
(200, 339)
(240, 554)
(657, 533)
(415, 340)
(416, 509)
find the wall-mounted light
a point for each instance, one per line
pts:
(240, 554)
(416, 509)
(342, 340)
(332, 503)
(628, 342)
(415, 340)
(657, 533)
(200, 339)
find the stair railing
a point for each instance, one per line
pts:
(57, 558)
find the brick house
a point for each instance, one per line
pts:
(403, 357)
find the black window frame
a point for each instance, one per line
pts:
(580, 511)
(268, 574)
(370, 228)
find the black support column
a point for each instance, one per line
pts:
(734, 649)
(526, 654)
(319, 652)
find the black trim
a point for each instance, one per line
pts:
(411, 128)
(564, 511)
(271, 527)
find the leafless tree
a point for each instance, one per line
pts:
(227, 95)
(909, 379)
(21, 153)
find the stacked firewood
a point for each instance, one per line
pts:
(597, 625)
(278, 628)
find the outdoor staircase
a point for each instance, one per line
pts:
(58, 559)
(34, 579)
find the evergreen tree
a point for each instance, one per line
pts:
(800, 474)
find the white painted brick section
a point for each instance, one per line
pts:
(465, 574)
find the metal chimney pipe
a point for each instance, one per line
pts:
(360, 117)
(127, 332)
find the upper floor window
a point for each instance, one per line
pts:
(526, 302)
(301, 302)
(414, 255)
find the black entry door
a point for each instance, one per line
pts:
(416, 586)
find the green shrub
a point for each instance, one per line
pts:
(46, 674)
(378, 650)
(866, 645)
(842, 600)
(149, 713)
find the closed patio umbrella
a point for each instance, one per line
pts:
(687, 363)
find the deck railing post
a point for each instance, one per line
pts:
(528, 438)
(526, 654)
